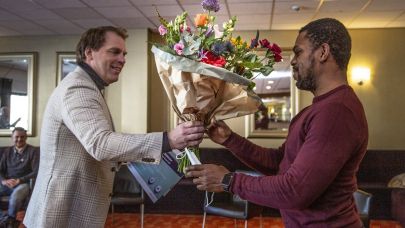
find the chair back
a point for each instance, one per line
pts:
(363, 202)
(231, 205)
(124, 182)
(127, 191)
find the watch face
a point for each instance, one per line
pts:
(226, 181)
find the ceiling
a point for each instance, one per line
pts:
(71, 17)
(278, 83)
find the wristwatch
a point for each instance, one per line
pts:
(226, 181)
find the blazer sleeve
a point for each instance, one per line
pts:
(86, 115)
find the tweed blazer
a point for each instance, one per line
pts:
(79, 151)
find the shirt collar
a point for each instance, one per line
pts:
(21, 151)
(93, 75)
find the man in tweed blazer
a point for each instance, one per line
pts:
(79, 148)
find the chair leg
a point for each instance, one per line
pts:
(205, 215)
(246, 223)
(112, 215)
(261, 224)
(142, 209)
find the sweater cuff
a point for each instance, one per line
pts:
(232, 140)
(165, 144)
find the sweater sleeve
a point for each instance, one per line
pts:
(332, 137)
(259, 158)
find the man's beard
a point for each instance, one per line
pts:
(307, 83)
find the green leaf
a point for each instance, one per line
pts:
(248, 74)
(252, 65)
(266, 70)
(191, 46)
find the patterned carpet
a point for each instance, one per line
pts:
(195, 221)
(130, 220)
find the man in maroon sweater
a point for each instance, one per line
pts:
(317, 163)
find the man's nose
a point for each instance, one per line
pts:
(293, 61)
(122, 59)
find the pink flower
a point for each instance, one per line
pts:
(162, 30)
(179, 48)
(188, 29)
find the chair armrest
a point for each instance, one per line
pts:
(32, 183)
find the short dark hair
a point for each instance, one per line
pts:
(335, 34)
(19, 129)
(94, 38)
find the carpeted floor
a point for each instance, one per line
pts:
(195, 221)
(131, 220)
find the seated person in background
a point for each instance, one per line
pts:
(18, 164)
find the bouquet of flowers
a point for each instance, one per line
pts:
(207, 73)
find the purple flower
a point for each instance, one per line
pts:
(218, 48)
(210, 5)
(162, 30)
(229, 46)
(254, 43)
(201, 54)
(209, 32)
(179, 48)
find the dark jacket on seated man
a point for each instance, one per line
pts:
(23, 166)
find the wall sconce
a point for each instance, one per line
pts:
(360, 75)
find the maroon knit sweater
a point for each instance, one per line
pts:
(316, 166)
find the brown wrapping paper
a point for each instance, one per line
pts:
(199, 91)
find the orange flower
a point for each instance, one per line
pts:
(201, 20)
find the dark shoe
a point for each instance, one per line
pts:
(3, 223)
(9, 222)
(3, 217)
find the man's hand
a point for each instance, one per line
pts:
(218, 131)
(11, 183)
(186, 134)
(207, 176)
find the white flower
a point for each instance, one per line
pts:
(218, 34)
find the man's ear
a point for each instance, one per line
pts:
(325, 52)
(88, 53)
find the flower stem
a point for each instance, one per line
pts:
(184, 161)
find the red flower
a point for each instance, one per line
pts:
(275, 48)
(265, 43)
(214, 60)
(277, 57)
